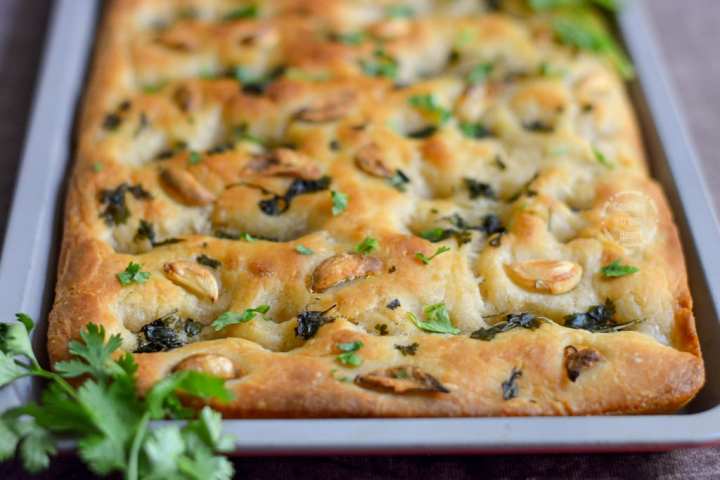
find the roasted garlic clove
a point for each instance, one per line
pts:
(215, 365)
(192, 277)
(283, 162)
(331, 109)
(343, 268)
(369, 159)
(184, 186)
(401, 379)
(545, 276)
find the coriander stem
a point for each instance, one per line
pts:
(132, 470)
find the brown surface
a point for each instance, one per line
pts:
(685, 35)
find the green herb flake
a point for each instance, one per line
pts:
(437, 320)
(303, 250)
(340, 378)
(426, 260)
(368, 245)
(602, 159)
(350, 38)
(97, 167)
(232, 318)
(349, 357)
(381, 65)
(194, 158)
(248, 11)
(427, 104)
(400, 11)
(339, 202)
(479, 73)
(132, 274)
(616, 269)
(246, 237)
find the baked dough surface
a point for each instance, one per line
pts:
(208, 121)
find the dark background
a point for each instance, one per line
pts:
(687, 32)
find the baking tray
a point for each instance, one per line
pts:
(27, 275)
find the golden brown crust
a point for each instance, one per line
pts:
(562, 170)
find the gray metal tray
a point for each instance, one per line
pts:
(27, 275)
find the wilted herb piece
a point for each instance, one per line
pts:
(242, 134)
(399, 180)
(310, 321)
(437, 320)
(145, 230)
(368, 245)
(207, 261)
(423, 132)
(232, 318)
(479, 73)
(303, 250)
(525, 189)
(253, 84)
(116, 211)
(475, 130)
(166, 333)
(579, 360)
(510, 386)
(350, 38)
(279, 204)
(426, 260)
(248, 11)
(437, 234)
(492, 224)
(599, 319)
(132, 274)
(408, 349)
(393, 304)
(616, 269)
(428, 105)
(339, 202)
(167, 241)
(381, 65)
(602, 159)
(382, 329)
(349, 357)
(399, 11)
(499, 163)
(220, 148)
(479, 189)
(513, 320)
(538, 126)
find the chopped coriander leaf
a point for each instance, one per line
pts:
(399, 180)
(583, 31)
(400, 11)
(232, 318)
(194, 158)
(132, 274)
(368, 245)
(381, 65)
(208, 262)
(241, 133)
(426, 260)
(246, 237)
(339, 202)
(437, 234)
(616, 269)
(97, 167)
(350, 38)
(349, 346)
(437, 320)
(475, 130)
(350, 359)
(428, 105)
(303, 250)
(602, 159)
(248, 11)
(479, 73)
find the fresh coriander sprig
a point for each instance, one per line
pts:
(437, 320)
(106, 416)
(616, 269)
(368, 245)
(426, 260)
(132, 274)
(232, 318)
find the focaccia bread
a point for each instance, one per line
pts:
(372, 208)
